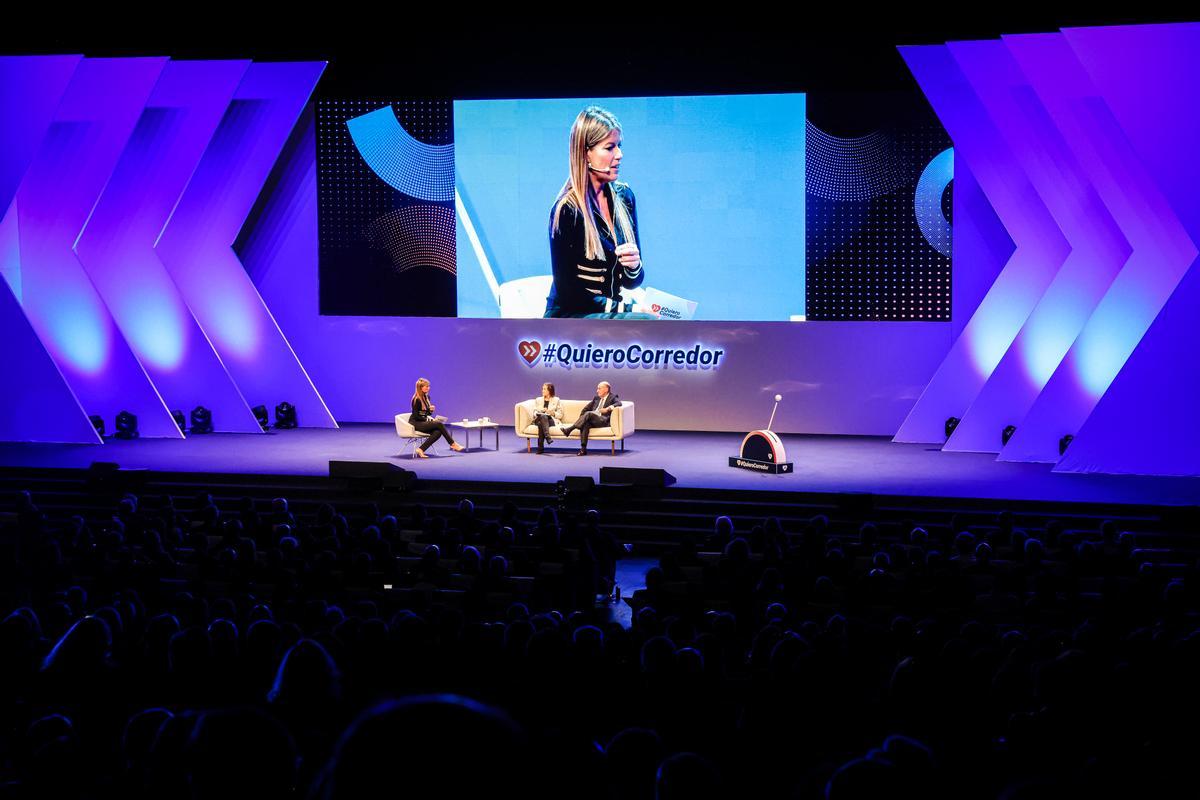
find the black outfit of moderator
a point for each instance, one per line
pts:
(423, 422)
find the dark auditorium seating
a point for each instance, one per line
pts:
(221, 640)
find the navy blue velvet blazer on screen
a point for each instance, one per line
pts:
(590, 286)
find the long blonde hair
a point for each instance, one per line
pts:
(419, 395)
(590, 128)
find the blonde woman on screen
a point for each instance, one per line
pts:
(594, 246)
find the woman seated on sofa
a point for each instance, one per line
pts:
(546, 412)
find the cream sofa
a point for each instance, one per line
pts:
(620, 423)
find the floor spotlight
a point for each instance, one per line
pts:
(1064, 443)
(97, 423)
(285, 416)
(201, 420)
(180, 420)
(126, 426)
(1007, 433)
(260, 414)
(951, 424)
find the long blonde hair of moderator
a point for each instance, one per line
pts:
(419, 395)
(591, 127)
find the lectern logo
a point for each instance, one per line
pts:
(529, 350)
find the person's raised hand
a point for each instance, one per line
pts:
(629, 255)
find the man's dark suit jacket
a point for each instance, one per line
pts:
(610, 399)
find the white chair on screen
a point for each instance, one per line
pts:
(524, 298)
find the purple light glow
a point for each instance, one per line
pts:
(1068, 287)
(1105, 130)
(195, 245)
(117, 247)
(93, 122)
(1040, 247)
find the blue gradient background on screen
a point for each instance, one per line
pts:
(719, 182)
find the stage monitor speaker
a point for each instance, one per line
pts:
(109, 475)
(579, 483)
(102, 475)
(372, 474)
(857, 504)
(1181, 518)
(574, 490)
(634, 476)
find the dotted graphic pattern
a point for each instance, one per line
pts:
(416, 236)
(407, 165)
(383, 251)
(866, 255)
(932, 218)
(855, 168)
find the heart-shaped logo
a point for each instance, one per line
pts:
(529, 351)
(656, 307)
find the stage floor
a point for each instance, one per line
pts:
(697, 460)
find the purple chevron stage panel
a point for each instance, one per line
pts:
(117, 247)
(124, 183)
(1097, 249)
(1161, 249)
(30, 90)
(196, 244)
(1145, 421)
(1084, 144)
(50, 414)
(36, 404)
(92, 124)
(1039, 245)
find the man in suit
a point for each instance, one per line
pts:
(594, 415)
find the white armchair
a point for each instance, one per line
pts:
(621, 423)
(409, 434)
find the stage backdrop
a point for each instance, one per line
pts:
(836, 377)
(122, 292)
(122, 185)
(1082, 352)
